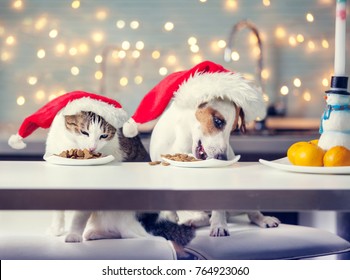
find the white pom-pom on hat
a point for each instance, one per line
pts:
(16, 142)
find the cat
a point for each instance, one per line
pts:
(91, 131)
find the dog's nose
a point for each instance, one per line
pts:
(221, 156)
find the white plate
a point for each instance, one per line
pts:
(284, 164)
(203, 163)
(69, 161)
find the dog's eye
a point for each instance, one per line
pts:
(219, 123)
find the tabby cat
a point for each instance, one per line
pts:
(91, 131)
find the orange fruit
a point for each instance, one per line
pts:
(293, 150)
(315, 141)
(337, 156)
(309, 154)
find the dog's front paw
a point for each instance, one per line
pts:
(267, 222)
(270, 222)
(218, 231)
(74, 237)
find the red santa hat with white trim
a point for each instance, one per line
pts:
(190, 88)
(69, 104)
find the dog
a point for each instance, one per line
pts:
(194, 111)
(205, 133)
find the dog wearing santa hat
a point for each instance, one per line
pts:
(194, 112)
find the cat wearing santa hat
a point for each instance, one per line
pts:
(193, 112)
(81, 120)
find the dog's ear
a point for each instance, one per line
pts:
(239, 122)
(242, 126)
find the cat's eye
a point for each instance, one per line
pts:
(103, 136)
(218, 123)
(84, 133)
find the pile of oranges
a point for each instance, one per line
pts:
(310, 154)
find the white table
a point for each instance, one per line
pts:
(31, 185)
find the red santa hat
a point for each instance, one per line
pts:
(69, 104)
(190, 88)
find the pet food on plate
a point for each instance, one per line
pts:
(181, 157)
(79, 154)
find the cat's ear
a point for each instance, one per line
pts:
(71, 121)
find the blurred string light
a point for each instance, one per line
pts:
(123, 81)
(75, 71)
(73, 51)
(75, 4)
(17, 4)
(126, 45)
(97, 36)
(134, 24)
(21, 100)
(32, 80)
(139, 45)
(40, 95)
(138, 80)
(98, 75)
(284, 90)
(163, 71)
(307, 96)
(310, 17)
(10, 40)
(120, 24)
(41, 53)
(169, 26)
(297, 82)
(266, 3)
(171, 59)
(98, 58)
(101, 15)
(231, 5)
(53, 33)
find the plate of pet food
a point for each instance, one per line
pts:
(78, 157)
(188, 160)
(286, 165)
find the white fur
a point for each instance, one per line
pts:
(178, 131)
(105, 224)
(60, 139)
(336, 129)
(203, 87)
(102, 224)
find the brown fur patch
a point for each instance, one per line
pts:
(239, 122)
(205, 116)
(71, 123)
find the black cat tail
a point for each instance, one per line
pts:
(180, 234)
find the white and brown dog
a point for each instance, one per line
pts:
(207, 104)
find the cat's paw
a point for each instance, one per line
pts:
(95, 235)
(169, 215)
(74, 237)
(218, 231)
